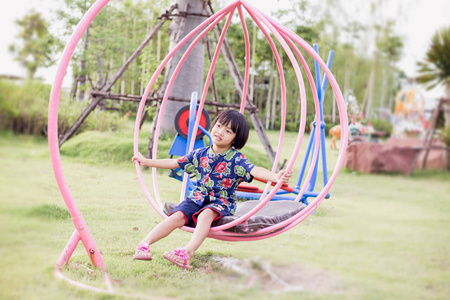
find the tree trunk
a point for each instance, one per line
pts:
(274, 105)
(269, 95)
(82, 81)
(252, 75)
(190, 76)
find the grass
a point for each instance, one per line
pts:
(377, 237)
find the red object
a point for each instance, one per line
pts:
(254, 189)
(182, 122)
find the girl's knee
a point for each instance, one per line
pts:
(208, 213)
(178, 217)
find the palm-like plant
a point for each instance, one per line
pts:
(435, 68)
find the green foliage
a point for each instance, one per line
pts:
(36, 44)
(122, 25)
(109, 147)
(389, 44)
(445, 136)
(441, 120)
(382, 125)
(112, 37)
(292, 125)
(24, 108)
(435, 68)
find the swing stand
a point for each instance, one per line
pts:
(290, 43)
(82, 234)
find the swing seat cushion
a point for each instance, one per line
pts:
(272, 213)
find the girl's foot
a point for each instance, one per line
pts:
(179, 257)
(142, 252)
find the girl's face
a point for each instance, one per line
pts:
(222, 135)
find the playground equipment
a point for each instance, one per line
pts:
(409, 118)
(183, 121)
(286, 39)
(248, 191)
(289, 41)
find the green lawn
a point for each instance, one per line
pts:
(377, 237)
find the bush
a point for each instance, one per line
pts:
(293, 126)
(382, 125)
(445, 136)
(24, 106)
(109, 147)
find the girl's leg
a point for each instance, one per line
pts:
(204, 220)
(164, 228)
(161, 230)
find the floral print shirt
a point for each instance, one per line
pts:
(218, 175)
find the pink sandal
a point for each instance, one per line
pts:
(181, 254)
(142, 247)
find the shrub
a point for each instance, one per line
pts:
(382, 125)
(24, 106)
(108, 147)
(445, 136)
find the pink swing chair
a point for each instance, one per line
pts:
(224, 231)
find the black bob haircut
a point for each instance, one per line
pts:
(238, 123)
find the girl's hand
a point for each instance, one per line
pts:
(140, 158)
(284, 176)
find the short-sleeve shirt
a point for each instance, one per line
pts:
(218, 175)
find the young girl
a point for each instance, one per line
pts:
(219, 169)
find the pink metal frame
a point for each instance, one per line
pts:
(288, 41)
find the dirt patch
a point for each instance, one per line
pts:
(272, 277)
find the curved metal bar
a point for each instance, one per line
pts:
(247, 60)
(217, 17)
(77, 218)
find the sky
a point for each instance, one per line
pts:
(417, 21)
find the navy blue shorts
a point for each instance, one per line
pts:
(191, 210)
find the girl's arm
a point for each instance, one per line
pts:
(167, 163)
(266, 175)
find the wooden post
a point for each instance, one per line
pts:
(430, 133)
(428, 140)
(213, 79)
(151, 139)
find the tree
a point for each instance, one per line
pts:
(37, 44)
(435, 68)
(390, 46)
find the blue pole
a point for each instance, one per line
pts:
(318, 130)
(192, 113)
(322, 124)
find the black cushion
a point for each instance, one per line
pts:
(272, 213)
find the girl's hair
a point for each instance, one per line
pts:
(238, 123)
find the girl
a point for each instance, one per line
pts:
(219, 169)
